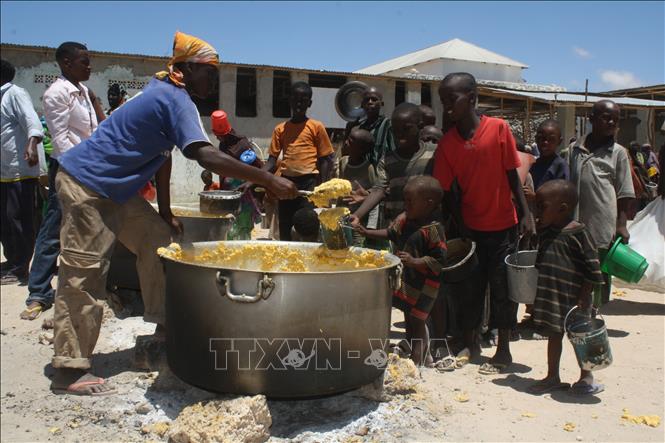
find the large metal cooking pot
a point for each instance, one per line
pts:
(282, 334)
(122, 269)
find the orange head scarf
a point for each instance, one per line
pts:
(188, 49)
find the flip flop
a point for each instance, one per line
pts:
(543, 387)
(74, 389)
(32, 313)
(492, 368)
(403, 349)
(582, 389)
(462, 358)
(446, 364)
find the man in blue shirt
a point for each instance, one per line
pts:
(98, 184)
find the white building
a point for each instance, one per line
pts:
(451, 56)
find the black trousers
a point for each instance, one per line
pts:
(287, 208)
(491, 249)
(17, 230)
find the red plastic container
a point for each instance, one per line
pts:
(220, 123)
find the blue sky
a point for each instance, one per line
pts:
(613, 44)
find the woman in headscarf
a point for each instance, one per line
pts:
(98, 185)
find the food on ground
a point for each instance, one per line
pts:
(329, 218)
(330, 190)
(462, 397)
(267, 257)
(649, 420)
(528, 414)
(569, 427)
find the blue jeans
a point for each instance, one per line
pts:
(47, 249)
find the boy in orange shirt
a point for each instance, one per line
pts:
(307, 154)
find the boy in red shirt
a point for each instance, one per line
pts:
(479, 153)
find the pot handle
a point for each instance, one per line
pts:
(396, 279)
(265, 287)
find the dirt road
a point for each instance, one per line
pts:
(497, 408)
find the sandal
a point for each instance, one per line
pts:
(75, 388)
(492, 368)
(446, 364)
(402, 349)
(581, 388)
(462, 358)
(32, 313)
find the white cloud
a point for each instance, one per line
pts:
(581, 52)
(619, 79)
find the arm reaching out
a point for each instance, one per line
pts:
(215, 161)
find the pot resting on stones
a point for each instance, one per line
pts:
(282, 319)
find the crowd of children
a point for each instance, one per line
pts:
(415, 184)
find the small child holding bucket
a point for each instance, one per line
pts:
(421, 245)
(568, 267)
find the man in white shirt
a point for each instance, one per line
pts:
(20, 136)
(71, 111)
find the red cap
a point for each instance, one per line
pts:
(220, 123)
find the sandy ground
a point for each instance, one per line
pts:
(497, 408)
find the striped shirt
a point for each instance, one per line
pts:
(566, 259)
(394, 171)
(419, 290)
(382, 131)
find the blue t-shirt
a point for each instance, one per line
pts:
(129, 146)
(546, 169)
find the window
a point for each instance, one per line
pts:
(246, 92)
(281, 88)
(400, 92)
(326, 81)
(426, 94)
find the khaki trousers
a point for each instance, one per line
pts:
(90, 226)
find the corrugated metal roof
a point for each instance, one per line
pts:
(454, 49)
(563, 97)
(166, 58)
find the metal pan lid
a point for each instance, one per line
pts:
(220, 195)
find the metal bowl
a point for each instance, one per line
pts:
(348, 100)
(219, 202)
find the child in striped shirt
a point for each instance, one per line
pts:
(421, 246)
(568, 267)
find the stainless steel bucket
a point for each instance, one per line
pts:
(282, 334)
(522, 276)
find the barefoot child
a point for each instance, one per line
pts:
(568, 267)
(421, 246)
